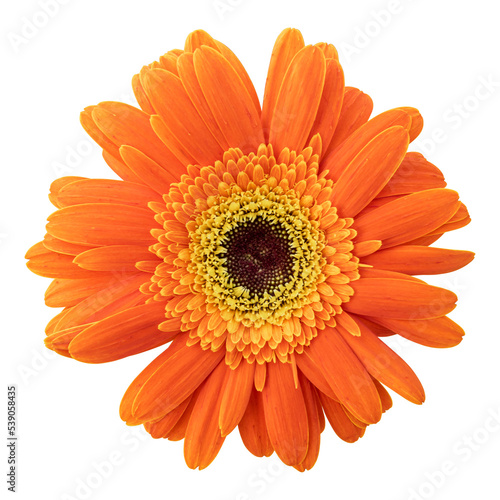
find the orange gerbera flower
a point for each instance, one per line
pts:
(273, 248)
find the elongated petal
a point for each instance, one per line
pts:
(438, 332)
(228, 99)
(141, 96)
(161, 428)
(114, 258)
(346, 375)
(288, 43)
(121, 293)
(186, 128)
(128, 399)
(313, 420)
(313, 373)
(414, 174)
(174, 381)
(286, 414)
(338, 160)
(198, 38)
(399, 299)
(89, 124)
(417, 122)
(58, 184)
(356, 109)
(236, 396)
(407, 218)
(124, 334)
(340, 422)
(106, 191)
(369, 171)
(69, 292)
(187, 74)
(203, 438)
(384, 364)
(125, 125)
(152, 174)
(242, 73)
(118, 166)
(414, 259)
(330, 105)
(298, 100)
(102, 224)
(55, 265)
(252, 427)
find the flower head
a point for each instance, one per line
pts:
(273, 247)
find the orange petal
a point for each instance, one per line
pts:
(126, 125)
(106, 191)
(407, 218)
(187, 73)
(346, 375)
(417, 122)
(414, 174)
(384, 364)
(141, 96)
(298, 100)
(55, 265)
(310, 400)
(113, 258)
(121, 293)
(59, 341)
(369, 171)
(339, 421)
(229, 100)
(128, 399)
(58, 184)
(187, 131)
(88, 123)
(252, 427)
(203, 438)
(330, 105)
(425, 240)
(240, 69)
(328, 49)
(288, 43)
(385, 397)
(198, 38)
(174, 381)
(356, 109)
(364, 248)
(313, 373)
(413, 259)
(439, 332)
(124, 334)
(286, 414)
(119, 168)
(338, 160)
(152, 174)
(236, 396)
(69, 292)
(399, 299)
(161, 428)
(460, 219)
(178, 431)
(102, 224)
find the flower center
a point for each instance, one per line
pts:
(258, 254)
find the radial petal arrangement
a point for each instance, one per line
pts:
(273, 249)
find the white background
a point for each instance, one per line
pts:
(435, 56)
